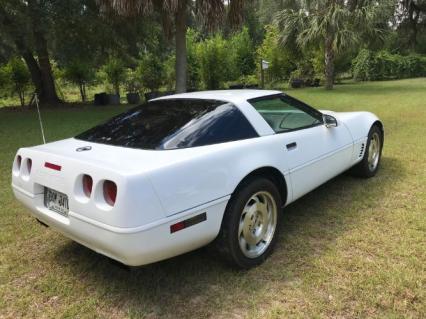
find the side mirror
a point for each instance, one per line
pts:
(329, 121)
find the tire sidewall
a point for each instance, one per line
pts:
(234, 211)
(368, 172)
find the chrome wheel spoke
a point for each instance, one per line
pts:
(374, 151)
(257, 224)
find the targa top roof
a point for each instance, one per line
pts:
(233, 96)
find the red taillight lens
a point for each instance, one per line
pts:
(110, 192)
(29, 165)
(87, 185)
(18, 161)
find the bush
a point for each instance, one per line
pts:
(281, 61)
(151, 70)
(170, 72)
(214, 62)
(194, 77)
(362, 65)
(16, 77)
(243, 57)
(81, 74)
(115, 73)
(383, 65)
(133, 82)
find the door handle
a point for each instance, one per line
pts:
(291, 146)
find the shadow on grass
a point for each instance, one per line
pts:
(198, 284)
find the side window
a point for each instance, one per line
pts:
(284, 113)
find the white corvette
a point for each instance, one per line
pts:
(185, 170)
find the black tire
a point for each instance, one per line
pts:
(363, 168)
(228, 241)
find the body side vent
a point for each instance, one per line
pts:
(361, 151)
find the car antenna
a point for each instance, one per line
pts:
(39, 117)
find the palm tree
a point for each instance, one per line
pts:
(333, 24)
(175, 12)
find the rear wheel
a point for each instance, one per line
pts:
(369, 164)
(250, 224)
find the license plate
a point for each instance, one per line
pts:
(56, 201)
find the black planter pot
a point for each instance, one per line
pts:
(167, 93)
(113, 99)
(133, 98)
(316, 83)
(296, 83)
(101, 99)
(236, 86)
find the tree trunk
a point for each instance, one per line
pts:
(181, 58)
(48, 93)
(32, 65)
(329, 63)
(413, 19)
(22, 97)
(82, 92)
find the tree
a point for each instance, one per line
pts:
(151, 71)
(80, 73)
(333, 24)
(175, 12)
(214, 61)
(15, 76)
(115, 73)
(413, 21)
(244, 52)
(24, 24)
(281, 60)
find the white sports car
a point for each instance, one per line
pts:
(182, 171)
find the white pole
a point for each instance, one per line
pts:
(39, 118)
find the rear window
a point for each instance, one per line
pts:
(172, 124)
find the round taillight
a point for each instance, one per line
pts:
(29, 165)
(18, 161)
(110, 192)
(87, 185)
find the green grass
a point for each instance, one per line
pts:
(351, 248)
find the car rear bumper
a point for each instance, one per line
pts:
(133, 246)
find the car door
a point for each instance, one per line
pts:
(312, 152)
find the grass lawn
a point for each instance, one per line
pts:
(351, 248)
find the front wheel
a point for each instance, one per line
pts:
(369, 164)
(250, 224)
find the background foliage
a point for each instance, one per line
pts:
(92, 49)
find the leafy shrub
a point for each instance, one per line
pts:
(194, 76)
(151, 70)
(16, 77)
(133, 82)
(170, 72)
(81, 74)
(361, 65)
(281, 61)
(214, 62)
(383, 65)
(243, 57)
(115, 73)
